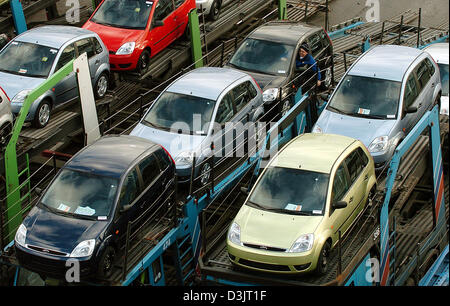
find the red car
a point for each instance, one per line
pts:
(136, 30)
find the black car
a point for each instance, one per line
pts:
(84, 212)
(269, 55)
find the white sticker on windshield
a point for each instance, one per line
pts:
(63, 207)
(86, 211)
(23, 70)
(281, 71)
(102, 218)
(317, 212)
(293, 207)
(364, 111)
(390, 116)
(200, 132)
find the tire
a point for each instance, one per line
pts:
(144, 61)
(101, 86)
(5, 135)
(106, 263)
(214, 11)
(204, 174)
(322, 263)
(42, 114)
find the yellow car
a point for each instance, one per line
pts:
(313, 188)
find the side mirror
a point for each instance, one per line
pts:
(300, 69)
(90, 11)
(244, 190)
(324, 96)
(411, 109)
(339, 204)
(158, 23)
(125, 208)
(38, 191)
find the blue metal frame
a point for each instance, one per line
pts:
(18, 16)
(438, 275)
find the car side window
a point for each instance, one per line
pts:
(354, 165)
(423, 74)
(164, 160)
(130, 189)
(85, 45)
(341, 184)
(225, 110)
(67, 55)
(251, 90)
(163, 9)
(430, 66)
(324, 38)
(149, 170)
(97, 45)
(178, 3)
(241, 95)
(315, 44)
(411, 91)
(363, 156)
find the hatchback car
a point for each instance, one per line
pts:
(439, 52)
(84, 212)
(314, 188)
(381, 97)
(211, 8)
(6, 119)
(136, 30)
(35, 55)
(191, 113)
(270, 52)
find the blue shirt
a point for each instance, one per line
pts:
(310, 61)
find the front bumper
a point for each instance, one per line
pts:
(124, 62)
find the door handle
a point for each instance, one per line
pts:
(366, 177)
(433, 84)
(420, 105)
(97, 62)
(350, 200)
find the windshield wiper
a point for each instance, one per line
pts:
(368, 116)
(256, 205)
(337, 110)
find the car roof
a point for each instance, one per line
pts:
(52, 36)
(206, 82)
(388, 62)
(313, 152)
(287, 32)
(110, 155)
(439, 52)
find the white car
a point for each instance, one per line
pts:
(6, 119)
(211, 8)
(439, 52)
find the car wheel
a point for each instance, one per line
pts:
(144, 62)
(322, 262)
(106, 264)
(204, 173)
(214, 11)
(42, 114)
(101, 86)
(5, 134)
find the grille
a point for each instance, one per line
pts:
(264, 266)
(47, 251)
(263, 247)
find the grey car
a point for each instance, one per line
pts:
(192, 112)
(35, 55)
(381, 97)
(211, 8)
(6, 119)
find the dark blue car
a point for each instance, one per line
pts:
(84, 212)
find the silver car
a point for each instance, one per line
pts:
(211, 8)
(6, 119)
(439, 52)
(30, 58)
(193, 112)
(381, 97)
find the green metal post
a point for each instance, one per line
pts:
(282, 10)
(13, 201)
(196, 45)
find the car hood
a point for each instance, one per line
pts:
(265, 81)
(12, 84)
(59, 232)
(363, 129)
(174, 143)
(114, 37)
(284, 229)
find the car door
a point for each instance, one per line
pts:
(86, 45)
(67, 89)
(182, 8)
(425, 99)
(161, 36)
(340, 192)
(223, 133)
(410, 99)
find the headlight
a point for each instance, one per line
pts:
(185, 158)
(379, 144)
(302, 244)
(126, 48)
(317, 129)
(20, 97)
(84, 248)
(21, 235)
(234, 233)
(270, 94)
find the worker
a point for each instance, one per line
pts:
(306, 59)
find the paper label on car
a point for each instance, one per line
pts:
(86, 211)
(317, 212)
(53, 51)
(63, 207)
(137, 10)
(44, 59)
(293, 207)
(390, 116)
(281, 71)
(23, 71)
(102, 218)
(364, 111)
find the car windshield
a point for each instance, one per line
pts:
(27, 59)
(263, 56)
(187, 114)
(81, 194)
(291, 191)
(128, 14)
(366, 97)
(444, 78)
